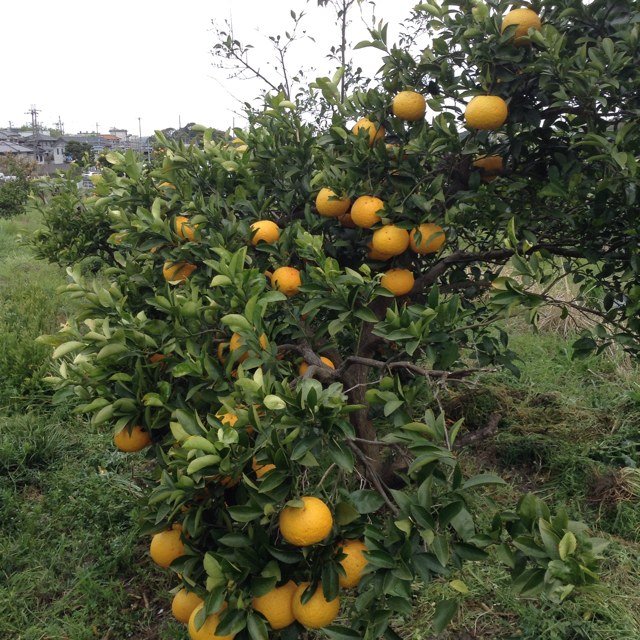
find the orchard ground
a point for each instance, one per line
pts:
(73, 566)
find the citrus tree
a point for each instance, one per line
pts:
(279, 307)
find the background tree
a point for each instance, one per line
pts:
(77, 150)
(14, 193)
(206, 339)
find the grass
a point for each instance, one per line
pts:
(72, 564)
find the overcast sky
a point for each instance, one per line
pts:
(89, 62)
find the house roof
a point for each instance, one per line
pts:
(10, 147)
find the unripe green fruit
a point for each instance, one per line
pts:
(386, 384)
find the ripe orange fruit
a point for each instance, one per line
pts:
(390, 240)
(331, 208)
(287, 280)
(177, 271)
(317, 613)
(486, 112)
(306, 525)
(182, 230)
(346, 220)
(525, 19)
(398, 281)
(208, 629)
(365, 211)
(265, 230)
(409, 105)
(427, 245)
(490, 163)
(261, 469)
(236, 342)
(228, 418)
(375, 133)
(376, 255)
(138, 440)
(354, 563)
(277, 605)
(167, 184)
(183, 604)
(304, 366)
(221, 353)
(167, 546)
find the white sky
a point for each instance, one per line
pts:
(90, 62)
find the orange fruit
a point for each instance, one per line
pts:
(208, 629)
(184, 602)
(277, 605)
(177, 271)
(261, 469)
(486, 112)
(306, 525)
(398, 281)
(354, 563)
(182, 230)
(228, 418)
(427, 243)
(167, 184)
(236, 342)
(365, 211)
(167, 546)
(304, 366)
(390, 240)
(287, 280)
(317, 612)
(265, 230)
(136, 441)
(525, 19)
(376, 255)
(409, 105)
(346, 220)
(490, 163)
(375, 133)
(331, 208)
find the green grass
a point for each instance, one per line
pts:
(72, 564)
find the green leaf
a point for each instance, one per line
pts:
(528, 546)
(440, 547)
(236, 322)
(345, 514)
(67, 347)
(482, 480)
(245, 513)
(236, 540)
(257, 627)
(445, 610)
(220, 281)
(529, 583)
(364, 313)
(506, 555)
(341, 633)
(103, 415)
(367, 501)
(111, 350)
(568, 545)
(202, 463)
(274, 403)
(343, 457)
(459, 586)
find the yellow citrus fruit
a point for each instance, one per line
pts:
(208, 629)
(375, 133)
(236, 343)
(390, 240)
(277, 605)
(376, 255)
(331, 208)
(490, 163)
(398, 281)
(365, 211)
(427, 245)
(304, 366)
(525, 19)
(409, 105)
(183, 604)
(242, 147)
(306, 525)
(486, 112)
(317, 612)
(346, 220)
(228, 418)
(167, 546)
(167, 184)
(182, 230)
(221, 353)
(138, 440)
(354, 563)
(261, 469)
(265, 230)
(287, 280)
(177, 271)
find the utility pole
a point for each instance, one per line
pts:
(97, 130)
(139, 136)
(34, 124)
(10, 125)
(60, 126)
(179, 123)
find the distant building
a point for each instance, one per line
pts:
(41, 146)
(12, 148)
